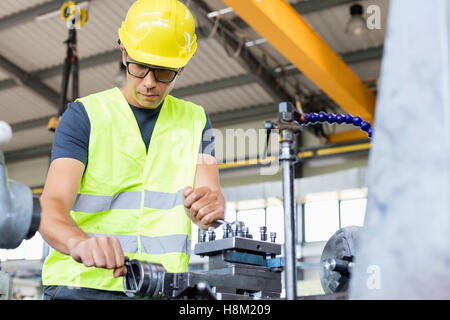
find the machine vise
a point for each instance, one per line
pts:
(239, 267)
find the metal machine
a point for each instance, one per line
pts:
(240, 267)
(20, 214)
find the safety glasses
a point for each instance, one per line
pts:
(139, 70)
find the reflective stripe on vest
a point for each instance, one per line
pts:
(129, 243)
(166, 244)
(127, 200)
(152, 245)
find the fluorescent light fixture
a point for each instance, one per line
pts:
(285, 68)
(219, 12)
(255, 43)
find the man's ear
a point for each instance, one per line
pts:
(181, 71)
(124, 55)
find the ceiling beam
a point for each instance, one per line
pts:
(275, 21)
(28, 153)
(352, 57)
(30, 124)
(363, 55)
(31, 82)
(221, 84)
(266, 111)
(304, 7)
(8, 84)
(84, 63)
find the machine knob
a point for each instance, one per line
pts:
(273, 237)
(226, 230)
(211, 234)
(263, 232)
(201, 235)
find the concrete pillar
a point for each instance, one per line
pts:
(405, 246)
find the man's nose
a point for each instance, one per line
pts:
(150, 80)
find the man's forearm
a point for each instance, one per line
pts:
(57, 228)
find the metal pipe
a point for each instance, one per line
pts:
(287, 161)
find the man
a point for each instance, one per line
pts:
(127, 176)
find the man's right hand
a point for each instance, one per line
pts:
(100, 252)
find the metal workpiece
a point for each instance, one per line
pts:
(144, 279)
(344, 267)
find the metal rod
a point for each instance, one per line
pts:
(287, 161)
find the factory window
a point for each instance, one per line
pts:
(3, 254)
(321, 220)
(275, 222)
(29, 250)
(352, 212)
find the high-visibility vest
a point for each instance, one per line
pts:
(132, 194)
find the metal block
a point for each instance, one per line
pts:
(275, 263)
(248, 271)
(235, 283)
(237, 243)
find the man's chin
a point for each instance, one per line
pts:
(149, 104)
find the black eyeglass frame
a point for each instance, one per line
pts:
(149, 69)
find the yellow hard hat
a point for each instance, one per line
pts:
(159, 32)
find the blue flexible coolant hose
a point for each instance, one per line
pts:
(322, 117)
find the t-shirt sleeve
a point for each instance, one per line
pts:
(71, 138)
(207, 145)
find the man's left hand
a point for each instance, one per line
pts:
(204, 206)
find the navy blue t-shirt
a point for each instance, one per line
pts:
(71, 138)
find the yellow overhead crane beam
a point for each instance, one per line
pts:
(283, 27)
(347, 136)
